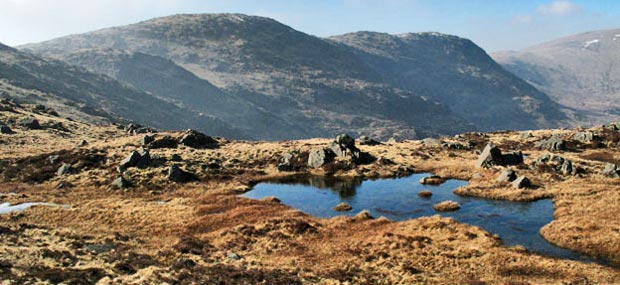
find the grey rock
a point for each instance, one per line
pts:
(6, 130)
(29, 123)
(490, 156)
(53, 158)
(233, 256)
(525, 135)
(365, 140)
(176, 157)
(513, 158)
(145, 159)
(319, 157)
(120, 183)
(554, 143)
(507, 175)
(611, 170)
(196, 139)
(65, 168)
(147, 139)
(584, 137)
(521, 182)
(164, 142)
(131, 160)
(431, 142)
(286, 163)
(176, 174)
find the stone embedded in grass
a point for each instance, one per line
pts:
(233, 256)
(343, 207)
(507, 175)
(611, 170)
(29, 123)
(176, 174)
(65, 168)
(447, 206)
(6, 130)
(147, 139)
(521, 182)
(120, 183)
(131, 160)
(432, 180)
(196, 139)
(425, 194)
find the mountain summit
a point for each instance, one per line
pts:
(412, 85)
(581, 71)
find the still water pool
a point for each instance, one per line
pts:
(516, 223)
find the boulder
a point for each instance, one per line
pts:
(507, 175)
(131, 160)
(286, 162)
(525, 135)
(342, 207)
(611, 170)
(147, 139)
(554, 143)
(513, 158)
(365, 140)
(65, 168)
(319, 157)
(176, 174)
(145, 159)
(53, 158)
(447, 206)
(521, 182)
(164, 142)
(425, 194)
(196, 139)
(363, 215)
(344, 145)
(176, 157)
(6, 130)
(120, 183)
(490, 156)
(29, 123)
(432, 180)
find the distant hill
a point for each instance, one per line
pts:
(75, 92)
(581, 71)
(305, 86)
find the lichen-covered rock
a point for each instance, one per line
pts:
(319, 157)
(554, 143)
(584, 137)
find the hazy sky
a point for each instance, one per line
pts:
(493, 24)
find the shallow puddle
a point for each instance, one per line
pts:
(516, 223)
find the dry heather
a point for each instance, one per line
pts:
(202, 232)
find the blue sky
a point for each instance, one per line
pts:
(493, 24)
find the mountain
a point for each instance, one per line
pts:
(458, 73)
(74, 92)
(319, 87)
(580, 71)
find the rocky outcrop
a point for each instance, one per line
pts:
(134, 129)
(147, 139)
(164, 142)
(554, 143)
(140, 159)
(492, 156)
(286, 163)
(343, 146)
(65, 168)
(585, 137)
(558, 164)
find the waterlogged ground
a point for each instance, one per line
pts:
(517, 223)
